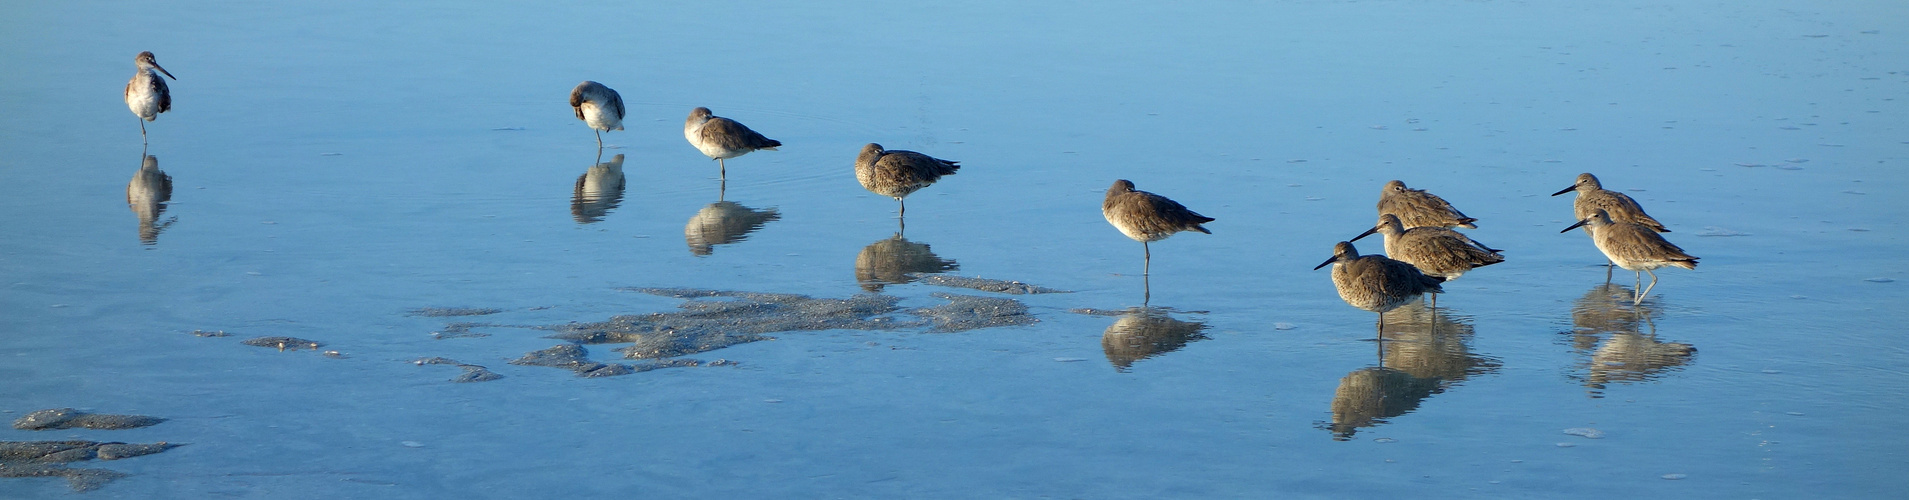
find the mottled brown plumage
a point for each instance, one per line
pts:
(1435, 251)
(1147, 217)
(897, 173)
(146, 94)
(722, 138)
(1375, 283)
(1592, 197)
(1417, 208)
(1634, 246)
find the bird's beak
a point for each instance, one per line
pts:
(1367, 232)
(1328, 262)
(1574, 187)
(1575, 226)
(163, 70)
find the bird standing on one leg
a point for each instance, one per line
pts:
(599, 107)
(1634, 246)
(722, 138)
(1148, 217)
(897, 173)
(146, 93)
(1417, 208)
(1375, 283)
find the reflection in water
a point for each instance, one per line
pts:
(1620, 338)
(892, 260)
(1145, 332)
(147, 195)
(598, 191)
(1424, 351)
(723, 222)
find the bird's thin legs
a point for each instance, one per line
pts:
(1148, 267)
(1653, 284)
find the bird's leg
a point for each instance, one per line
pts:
(1434, 301)
(1148, 266)
(901, 226)
(1653, 284)
(1146, 291)
(904, 207)
(142, 132)
(599, 143)
(722, 188)
(1608, 268)
(722, 169)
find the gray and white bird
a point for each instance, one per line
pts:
(1376, 283)
(722, 138)
(598, 106)
(1634, 246)
(1592, 197)
(897, 173)
(1417, 208)
(1435, 251)
(1148, 217)
(146, 94)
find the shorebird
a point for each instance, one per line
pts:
(897, 173)
(146, 93)
(598, 106)
(1147, 217)
(1592, 196)
(722, 138)
(1375, 283)
(1633, 246)
(1417, 208)
(1435, 251)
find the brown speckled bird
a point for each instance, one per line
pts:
(1148, 217)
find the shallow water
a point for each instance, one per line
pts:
(334, 170)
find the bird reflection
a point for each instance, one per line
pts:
(1145, 332)
(1620, 338)
(1423, 351)
(891, 261)
(724, 222)
(147, 195)
(599, 190)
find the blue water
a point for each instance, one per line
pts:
(336, 167)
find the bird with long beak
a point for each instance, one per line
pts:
(1633, 246)
(1435, 251)
(146, 93)
(1376, 283)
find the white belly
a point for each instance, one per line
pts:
(143, 102)
(598, 118)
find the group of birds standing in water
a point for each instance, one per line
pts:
(1421, 248)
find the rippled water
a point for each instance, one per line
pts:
(335, 172)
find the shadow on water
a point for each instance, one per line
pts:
(894, 260)
(599, 190)
(1145, 332)
(147, 195)
(1423, 351)
(724, 222)
(1619, 339)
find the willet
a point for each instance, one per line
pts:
(1375, 283)
(1634, 246)
(1435, 251)
(722, 138)
(146, 93)
(1417, 208)
(1592, 196)
(598, 106)
(897, 173)
(1147, 217)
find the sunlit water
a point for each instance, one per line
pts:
(334, 168)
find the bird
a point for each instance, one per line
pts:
(722, 138)
(1634, 246)
(146, 93)
(1417, 208)
(598, 106)
(897, 173)
(1435, 251)
(1376, 283)
(1592, 196)
(1147, 217)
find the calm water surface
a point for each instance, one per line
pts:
(333, 169)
